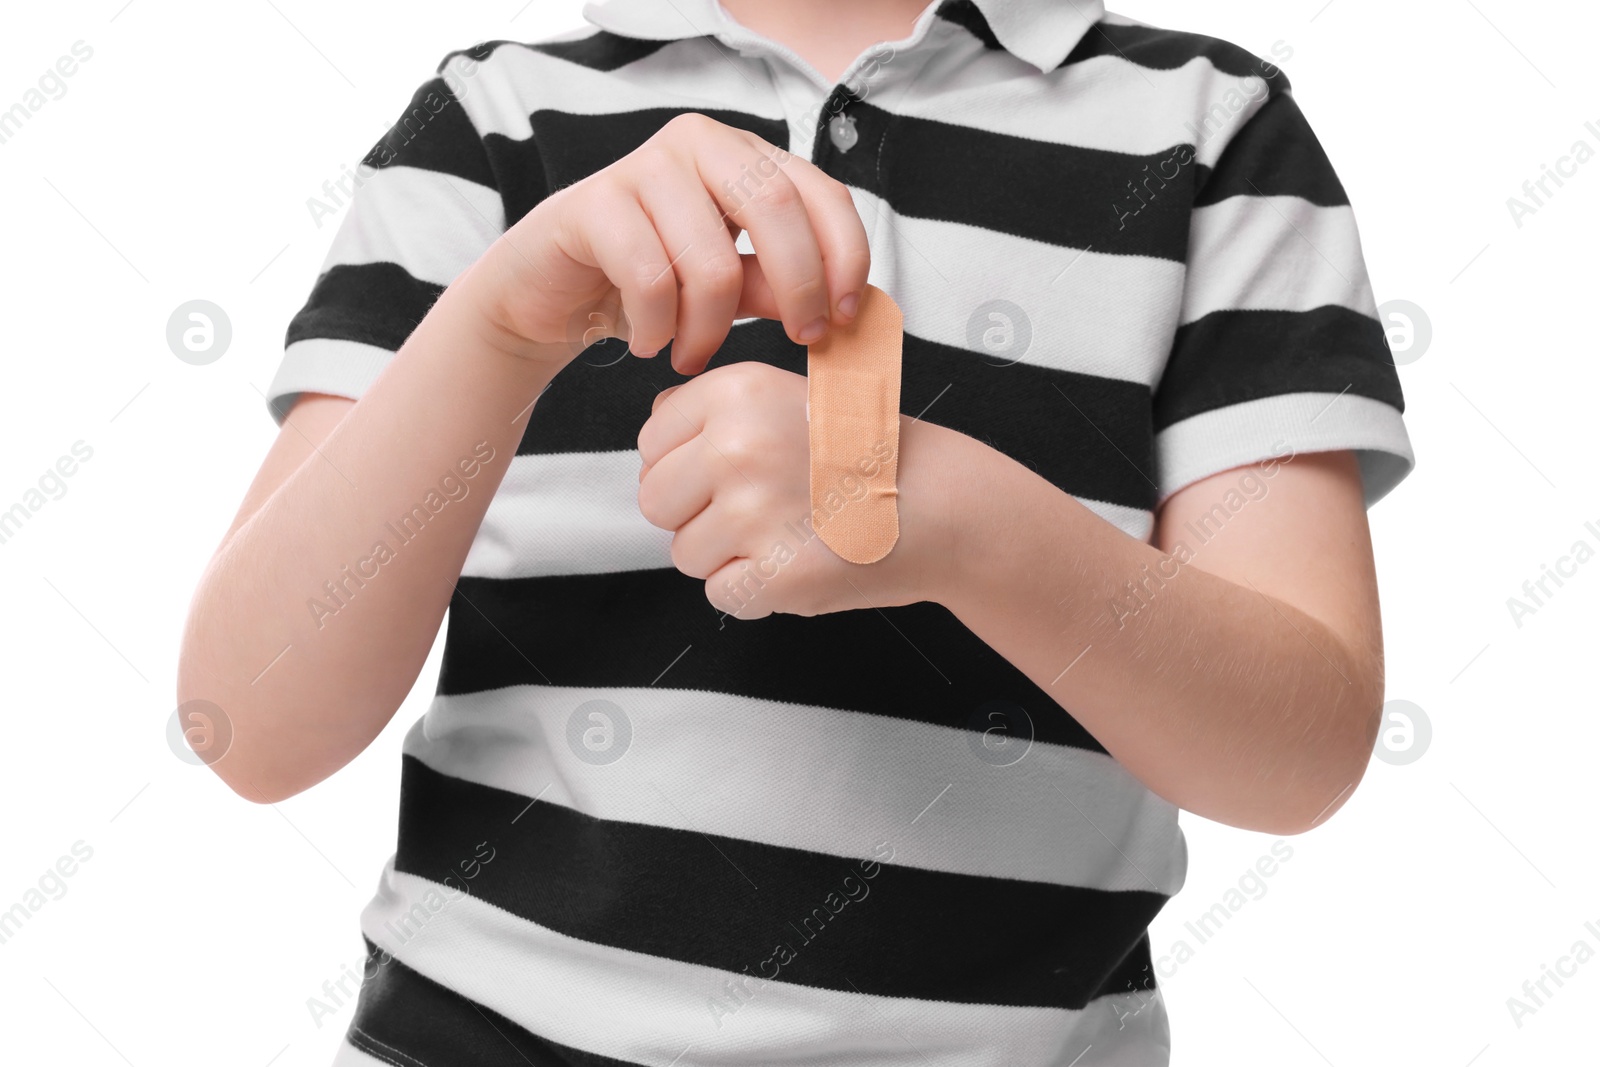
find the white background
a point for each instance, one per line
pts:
(178, 165)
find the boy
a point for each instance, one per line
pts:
(693, 790)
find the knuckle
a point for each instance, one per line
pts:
(810, 290)
(764, 146)
(683, 559)
(688, 120)
(744, 509)
(720, 274)
(653, 156)
(742, 384)
(775, 197)
(839, 192)
(688, 125)
(649, 505)
(653, 279)
(739, 446)
(854, 255)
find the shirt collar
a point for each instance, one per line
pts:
(1039, 32)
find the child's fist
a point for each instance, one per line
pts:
(726, 469)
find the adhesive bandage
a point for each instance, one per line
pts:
(853, 406)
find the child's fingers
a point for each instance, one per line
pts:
(756, 300)
(700, 547)
(661, 397)
(629, 251)
(757, 194)
(707, 265)
(680, 485)
(846, 255)
(674, 421)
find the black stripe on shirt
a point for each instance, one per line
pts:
(1065, 195)
(1087, 435)
(1231, 357)
(915, 663)
(524, 177)
(1275, 153)
(1098, 446)
(566, 148)
(852, 925)
(965, 13)
(406, 1015)
(603, 50)
(434, 134)
(1159, 49)
(1059, 194)
(575, 146)
(372, 303)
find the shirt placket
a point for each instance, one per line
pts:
(832, 127)
(819, 114)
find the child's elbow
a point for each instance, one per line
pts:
(1329, 779)
(1310, 786)
(262, 784)
(258, 761)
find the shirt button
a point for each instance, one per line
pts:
(842, 131)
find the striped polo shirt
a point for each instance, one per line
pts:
(635, 832)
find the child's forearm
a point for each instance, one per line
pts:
(302, 630)
(1226, 702)
(306, 688)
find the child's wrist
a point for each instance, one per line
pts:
(481, 297)
(470, 338)
(935, 463)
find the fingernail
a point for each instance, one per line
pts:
(849, 303)
(812, 332)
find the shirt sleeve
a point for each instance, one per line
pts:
(422, 207)
(1279, 349)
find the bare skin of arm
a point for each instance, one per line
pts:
(1249, 690)
(1248, 687)
(304, 695)
(1243, 683)
(647, 245)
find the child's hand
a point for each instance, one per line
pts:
(644, 250)
(727, 469)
